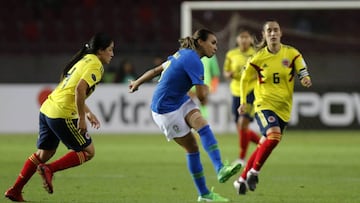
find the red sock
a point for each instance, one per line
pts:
(265, 150)
(27, 172)
(69, 160)
(244, 143)
(250, 162)
(253, 137)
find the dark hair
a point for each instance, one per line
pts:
(192, 42)
(244, 30)
(263, 43)
(100, 41)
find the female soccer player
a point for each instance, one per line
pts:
(234, 64)
(63, 116)
(275, 66)
(175, 113)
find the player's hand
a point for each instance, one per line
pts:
(95, 123)
(81, 125)
(242, 109)
(306, 81)
(133, 86)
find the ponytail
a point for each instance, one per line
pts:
(79, 55)
(99, 41)
(191, 42)
(187, 43)
(261, 44)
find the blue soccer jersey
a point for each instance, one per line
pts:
(181, 71)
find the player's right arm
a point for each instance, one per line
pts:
(227, 72)
(246, 77)
(148, 75)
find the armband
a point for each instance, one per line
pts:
(303, 73)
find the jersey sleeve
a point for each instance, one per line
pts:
(300, 66)
(227, 62)
(246, 77)
(195, 70)
(92, 75)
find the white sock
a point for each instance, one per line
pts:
(241, 180)
(253, 171)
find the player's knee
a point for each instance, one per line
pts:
(274, 136)
(262, 140)
(45, 155)
(274, 133)
(196, 120)
(89, 155)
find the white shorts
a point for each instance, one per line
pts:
(173, 124)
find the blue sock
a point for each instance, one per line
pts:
(196, 170)
(210, 145)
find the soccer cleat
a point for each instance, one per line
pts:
(14, 195)
(212, 197)
(240, 187)
(227, 171)
(46, 175)
(252, 179)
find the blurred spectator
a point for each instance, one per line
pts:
(157, 61)
(126, 72)
(109, 75)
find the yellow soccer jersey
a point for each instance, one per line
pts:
(275, 85)
(235, 61)
(61, 102)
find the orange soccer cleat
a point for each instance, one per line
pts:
(14, 195)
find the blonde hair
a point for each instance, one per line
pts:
(192, 42)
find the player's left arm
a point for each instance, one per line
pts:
(95, 123)
(80, 96)
(89, 79)
(302, 71)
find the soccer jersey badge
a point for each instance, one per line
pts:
(87, 136)
(286, 63)
(271, 119)
(93, 76)
(176, 128)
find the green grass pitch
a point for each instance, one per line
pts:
(307, 166)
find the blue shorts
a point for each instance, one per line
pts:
(52, 131)
(236, 104)
(267, 119)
